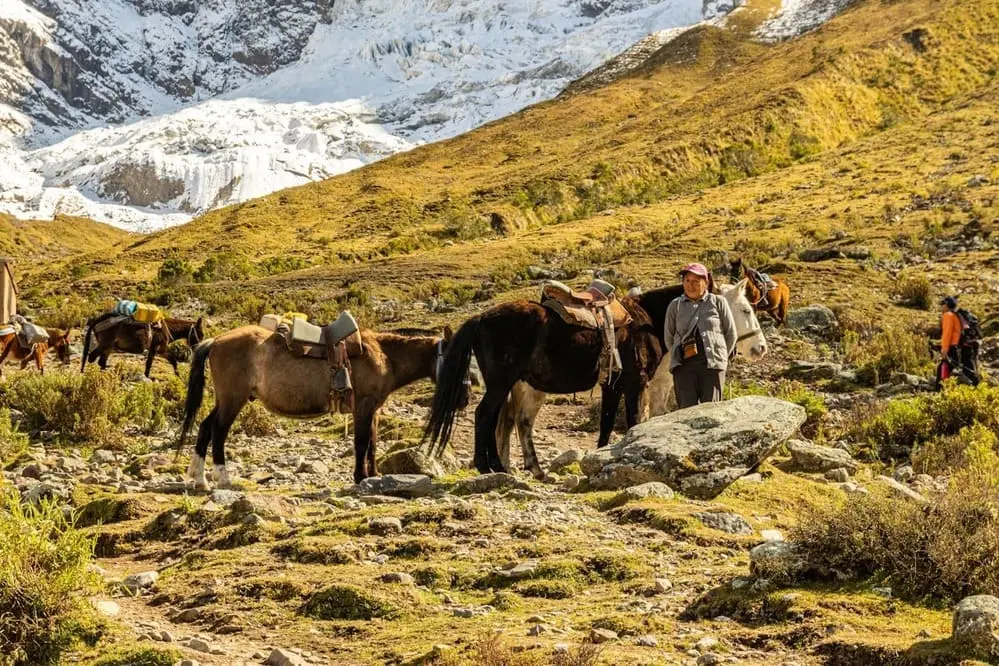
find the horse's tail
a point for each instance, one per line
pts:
(89, 336)
(195, 388)
(451, 394)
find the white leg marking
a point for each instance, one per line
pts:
(222, 477)
(196, 472)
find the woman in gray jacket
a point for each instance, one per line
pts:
(700, 337)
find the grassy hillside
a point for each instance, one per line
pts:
(709, 108)
(32, 240)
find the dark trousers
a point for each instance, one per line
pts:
(961, 362)
(694, 382)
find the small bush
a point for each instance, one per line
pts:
(224, 266)
(891, 350)
(12, 442)
(175, 271)
(917, 292)
(547, 589)
(144, 656)
(256, 421)
(44, 579)
(343, 602)
(948, 551)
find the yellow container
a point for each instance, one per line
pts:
(147, 314)
(287, 317)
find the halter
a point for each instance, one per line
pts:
(192, 336)
(749, 334)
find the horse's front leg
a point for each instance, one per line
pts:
(610, 398)
(364, 431)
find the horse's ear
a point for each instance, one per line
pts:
(741, 284)
(448, 333)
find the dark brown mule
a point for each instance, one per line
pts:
(131, 338)
(776, 302)
(252, 363)
(59, 343)
(524, 341)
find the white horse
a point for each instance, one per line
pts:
(524, 401)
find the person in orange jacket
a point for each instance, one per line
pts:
(956, 359)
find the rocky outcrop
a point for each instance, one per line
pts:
(697, 451)
(976, 625)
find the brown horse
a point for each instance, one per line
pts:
(522, 341)
(131, 338)
(58, 341)
(776, 302)
(252, 363)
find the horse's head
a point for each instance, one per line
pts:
(736, 269)
(751, 343)
(61, 345)
(196, 333)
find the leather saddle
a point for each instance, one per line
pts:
(337, 342)
(585, 308)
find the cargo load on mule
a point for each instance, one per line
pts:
(336, 343)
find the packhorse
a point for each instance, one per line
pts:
(130, 337)
(525, 402)
(58, 342)
(770, 296)
(524, 341)
(254, 363)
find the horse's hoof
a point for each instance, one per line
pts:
(538, 473)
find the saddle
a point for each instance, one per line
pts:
(337, 343)
(597, 308)
(28, 334)
(764, 284)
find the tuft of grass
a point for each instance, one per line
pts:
(892, 350)
(345, 602)
(141, 656)
(916, 292)
(44, 580)
(254, 420)
(12, 442)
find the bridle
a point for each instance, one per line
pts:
(192, 335)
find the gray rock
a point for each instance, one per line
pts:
(377, 500)
(698, 451)
(663, 585)
(813, 370)
(814, 254)
(187, 615)
(43, 490)
(647, 641)
(771, 535)
(140, 581)
(519, 570)
(976, 625)
(253, 520)
(414, 460)
(103, 457)
(223, 497)
(725, 522)
(780, 561)
(279, 657)
(900, 490)
(385, 525)
(313, 467)
(599, 636)
(571, 482)
(108, 608)
(838, 475)
(812, 317)
(640, 492)
(709, 659)
(812, 458)
(706, 643)
(70, 463)
(199, 645)
(398, 577)
(397, 485)
(189, 662)
(565, 459)
(485, 483)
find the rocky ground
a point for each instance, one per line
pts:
(299, 566)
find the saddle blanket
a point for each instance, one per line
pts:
(7, 330)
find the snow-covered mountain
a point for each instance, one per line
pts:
(143, 113)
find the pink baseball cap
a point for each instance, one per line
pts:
(696, 269)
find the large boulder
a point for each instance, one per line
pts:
(976, 625)
(816, 318)
(415, 461)
(697, 451)
(808, 457)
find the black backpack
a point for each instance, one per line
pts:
(971, 329)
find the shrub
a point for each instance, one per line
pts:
(947, 551)
(142, 656)
(891, 350)
(343, 602)
(175, 271)
(917, 292)
(44, 579)
(256, 421)
(224, 266)
(12, 442)
(947, 453)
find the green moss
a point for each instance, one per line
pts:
(141, 656)
(345, 602)
(547, 589)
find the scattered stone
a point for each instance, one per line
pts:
(731, 523)
(565, 459)
(226, 498)
(199, 645)
(140, 581)
(709, 659)
(398, 577)
(519, 570)
(814, 254)
(166, 637)
(485, 483)
(812, 458)
(663, 585)
(415, 461)
(647, 641)
(901, 490)
(253, 520)
(777, 560)
(571, 482)
(188, 662)
(34, 471)
(640, 492)
(706, 643)
(771, 536)
(699, 451)
(397, 485)
(561, 648)
(385, 525)
(108, 608)
(187, 615)
(882, 592)
(378, 500)
(813, 370)
(838, 475)
(817, 318)
(978, 180)
(279, 657)
(313, 467)
(103, 457)
(36, 492)
(599, 636)
(976, 624)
